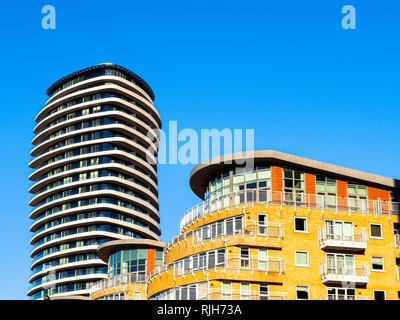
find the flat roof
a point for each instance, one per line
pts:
(143, 84)
(107, 248)
(200, 175)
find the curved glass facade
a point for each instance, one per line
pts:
(238, 179)
(83, 198)
(132, 261)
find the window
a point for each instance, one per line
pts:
(226, 290)
(186, 292)
(325, 184)
(339, 230)
(379, 295)
(137, 295)
(300, 224)
(199, 262)
(377, 263)
(263, 292)
(225, 227)
(219, 186)
(340, 264)
(341, 294)
(301, 258)
(220, 257)
(250, 179)
(262, 224)
(394, 196)
(159, 258)
(326, 192)
(376, 230)
(262, 259)
(192, 292)
(126, 261)
(357, 197)
(302, 293)
(294, 186)
(244, 258)
(245, 291)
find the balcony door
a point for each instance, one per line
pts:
(244, 258)
(262, 224)
(339, 230)
(263, 259)
(340, 264)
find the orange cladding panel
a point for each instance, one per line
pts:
(151, 260)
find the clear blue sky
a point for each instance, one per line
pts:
(285, 68)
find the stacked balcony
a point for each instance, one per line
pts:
(355, 242)
(357, 274)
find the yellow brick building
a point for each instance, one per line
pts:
(284, 227)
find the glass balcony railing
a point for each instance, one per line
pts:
(312, 201)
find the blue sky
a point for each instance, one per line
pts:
(284, 68)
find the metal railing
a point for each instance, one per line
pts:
(358, 235)
(252, 228)
(118, 280)
(344, 297)
(231, 262)
(218, 294)
(359, 269)
(312, 201)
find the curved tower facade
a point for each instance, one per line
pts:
(95, 176)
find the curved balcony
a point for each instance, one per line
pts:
(310, 201)
(227, 262)
(117, 281)
(144, 179)
(83, 83)
(123, 104)
(252, 228)
(120, 154)
(145, 105)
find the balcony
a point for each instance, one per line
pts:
(224, 262)
(355, 242)
(254, 263)
(118, 280)
(357, 274)
(269, 230)
(345, 297)
(217, 294)
(303, 200)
